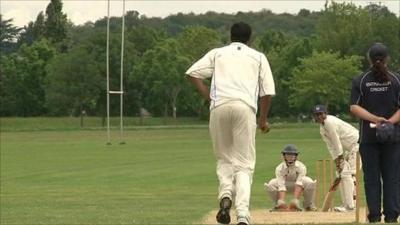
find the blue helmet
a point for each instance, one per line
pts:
(319, 109)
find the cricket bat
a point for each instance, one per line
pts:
(329, 196)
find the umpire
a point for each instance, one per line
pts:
(375, 99)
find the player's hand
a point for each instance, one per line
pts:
(263, 125)
(379, 120)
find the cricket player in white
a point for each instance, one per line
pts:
(239, 76)
(342, 141)
(291, 177)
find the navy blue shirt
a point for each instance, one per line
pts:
(377, 97)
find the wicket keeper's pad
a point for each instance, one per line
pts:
(329, 196)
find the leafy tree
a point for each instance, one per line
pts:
(385, 28)
(26, 36)
(34, 31)
(8, 84)
(304, 12)
(323, 78)
(52, 26)
(56, 22)
(342, 28)
(39, 27)
(351, 30)
(144, 38)
(195, 42)
(131, 19)
(8, 35)
(23, 77)
(161, 73)
(158, 51)
(283, 59)
(74, 83)
(271, 39)
(90, 48)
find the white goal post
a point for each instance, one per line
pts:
(121, 91)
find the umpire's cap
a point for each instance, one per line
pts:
(319, 109)
(290, 149)
(377, 51)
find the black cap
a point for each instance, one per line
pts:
(319, 109)
(377, 51)
(290, 149)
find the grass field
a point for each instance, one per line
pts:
(89, 123)
(160, 176)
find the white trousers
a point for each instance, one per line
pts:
(232, 128)
(309, 186)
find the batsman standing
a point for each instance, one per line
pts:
(239, 75)
(341, 140)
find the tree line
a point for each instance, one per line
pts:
(51, 67)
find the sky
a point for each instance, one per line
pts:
(81, 11)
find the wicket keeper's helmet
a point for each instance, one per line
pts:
(290, 154)
(290, 149)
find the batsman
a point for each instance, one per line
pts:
(341, 139)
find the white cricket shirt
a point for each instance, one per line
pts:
(294, 173)
(238, 73)
(338, 135)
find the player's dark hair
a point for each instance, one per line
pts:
(380, 70)
(240, 32)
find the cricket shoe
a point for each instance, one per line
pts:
(243, 220)
(342, 209)
(223, 216)
(311, 209)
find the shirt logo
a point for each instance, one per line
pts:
(378, 87)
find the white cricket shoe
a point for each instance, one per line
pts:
(342, 209)
(242, 220)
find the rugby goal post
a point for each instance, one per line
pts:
(119, 92)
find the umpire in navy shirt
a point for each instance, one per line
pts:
(375, 99)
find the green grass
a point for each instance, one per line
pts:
(130, 123)
(89, 123)
(160, 176)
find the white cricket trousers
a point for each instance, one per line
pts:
(232, 128)
(309, 187)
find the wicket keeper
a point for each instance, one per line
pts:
(291, 177)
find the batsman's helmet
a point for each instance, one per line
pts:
(319, 109)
